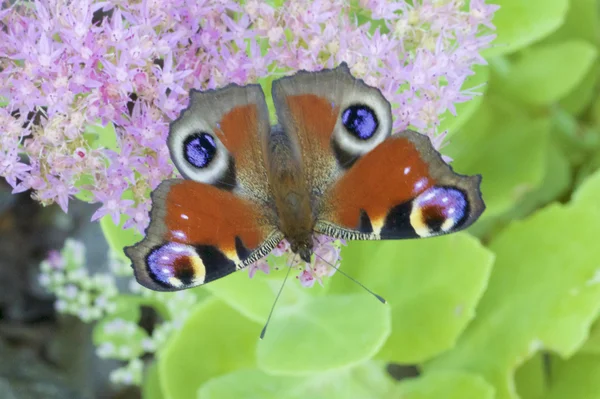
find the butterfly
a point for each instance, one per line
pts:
(331, 165)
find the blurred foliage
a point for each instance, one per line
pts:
(515, 296)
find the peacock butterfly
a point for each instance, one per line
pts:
(331, 165)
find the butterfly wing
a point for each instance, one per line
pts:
(367, 183)
(400, 189)
(312, 108)
(221, 218)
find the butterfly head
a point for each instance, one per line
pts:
(302, 247)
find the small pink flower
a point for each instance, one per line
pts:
(282, 248)
(261, 264)
(80, 153)
(307, 279)
(55, 259)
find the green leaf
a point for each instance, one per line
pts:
(432, 286)
(365, 381)
(520, 23)
(266, 82)
(476, 83)
(237, 288)
(214, 340)
(587, 195)
(575, 140)
(508, 148)
(578, 100)
(546, 74)
(592, 345)
(117, 237)
(556, 182)
(317, 334)
(99, 136)
(576, 378)
(543, 292)
(85, 180)
(530, 378)
(582, 22)
(151, 388)
(254, 297)
(447, 385)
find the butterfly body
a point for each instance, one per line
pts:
(293, 205)
(330, 165)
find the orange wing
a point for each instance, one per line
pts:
(401, 189)
(222, 218)
(199, 233)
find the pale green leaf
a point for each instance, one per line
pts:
(317, 334)
(99, 136)
(543, 292)
(522, 22)
(214, 340)
(576, 378)
(151, 388)
(578, 100)
(117, 237)
(432, 286)
(582, 22)
(446, 385)
(508, 148)
(254, 297)
(592, 345)
(546, 74)
(530, 378)
(364, 381)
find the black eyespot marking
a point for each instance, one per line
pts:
(360, 120)
(397, 223)
(242, 252)
(216, 262)
(199, 149)
(364, 224)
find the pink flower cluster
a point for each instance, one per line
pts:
(326, 260)
(67, 66)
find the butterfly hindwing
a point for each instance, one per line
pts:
(401, 189)
(221, 218)
(199, 233)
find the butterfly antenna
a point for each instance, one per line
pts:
(264, 330)
(379, 297)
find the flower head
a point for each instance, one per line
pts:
(130, 65)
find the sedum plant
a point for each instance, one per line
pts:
(507, 310)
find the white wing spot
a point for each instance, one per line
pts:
(180, 234)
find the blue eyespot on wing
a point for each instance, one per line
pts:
(360, 120)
